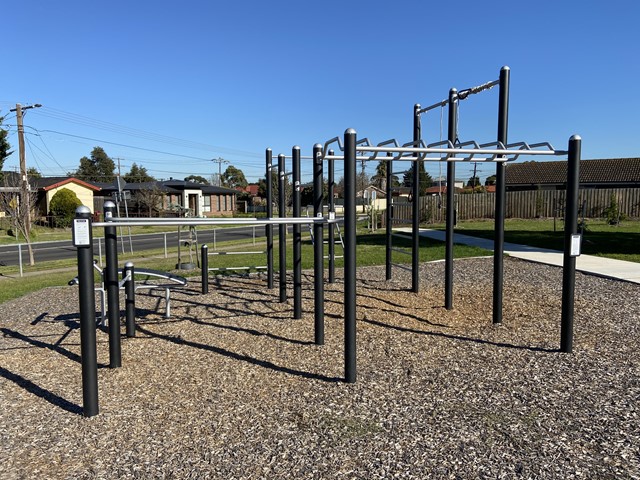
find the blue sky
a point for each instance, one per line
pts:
(187, 82)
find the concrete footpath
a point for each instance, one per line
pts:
(601, 266)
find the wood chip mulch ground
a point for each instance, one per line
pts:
(232, 387)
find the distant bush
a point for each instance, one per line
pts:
(63, 207)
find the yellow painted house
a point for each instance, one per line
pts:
(49, 186)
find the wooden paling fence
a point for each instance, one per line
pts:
(524, 204)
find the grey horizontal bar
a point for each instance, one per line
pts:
(215, 221)
(236, 253)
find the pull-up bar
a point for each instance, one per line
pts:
(462, 95)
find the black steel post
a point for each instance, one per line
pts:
(331, 240)
(451, 190)
(204, 264)
(350, 255)
(111, 286)
(415, 215)
(318, 247)
(269, 228)
(501, 196)
(130, 299)
(83, 240)
(282, 230)
(297, 236)
(570, 229)
(389, 216)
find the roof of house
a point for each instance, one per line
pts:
(602, 171)
(49, 183)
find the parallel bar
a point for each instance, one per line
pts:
(318, 246)
(88, 348)
(350, 255)
(297, 237)
(111, 285)
(269, 227)
(451, 214)
(570, 229)
(234, 253)
(282, 232)
(212, 221)
(501, 199)
(462, 95)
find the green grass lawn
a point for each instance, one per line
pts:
(621, 242)
(370, 251)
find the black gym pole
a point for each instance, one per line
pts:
(501, 196)
(451, 190)
(282, 231)
(130, 299)
(570, 236)
(415, 214)
(350, 255)
(111, 282)
(389, 217)
(331, 241)
(297, 236)
(269, 228)
(83, 241)
(318, 247)
(204, 264)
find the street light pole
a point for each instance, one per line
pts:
(24, 183)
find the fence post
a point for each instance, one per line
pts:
(350, 255)
(570, 229)
(204, 263)
(130, 299)
(20, 258)
(111, 285)
(165, 246)
(318, 247)
(82, 240)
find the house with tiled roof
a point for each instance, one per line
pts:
(180, 196)
(599, 173)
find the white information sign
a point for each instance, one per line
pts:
(576, 241)
(81, 232)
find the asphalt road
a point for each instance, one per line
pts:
(45, 251)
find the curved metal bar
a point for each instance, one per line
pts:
(337, 140)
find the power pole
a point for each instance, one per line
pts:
(24, 182)
(219, 161)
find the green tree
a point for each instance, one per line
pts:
(425, 178)
(98, 168)
(197, 179)
(379, 179)
(32, 172)
(5, 148)
(137, 174)
(491, 180)
(473, 182)
(63, 207)
(233, 177)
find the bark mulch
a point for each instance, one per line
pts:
(232, 387)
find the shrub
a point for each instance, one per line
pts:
(63, 207)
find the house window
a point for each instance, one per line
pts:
(225, 203)
(218, 201)
(207, 203)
